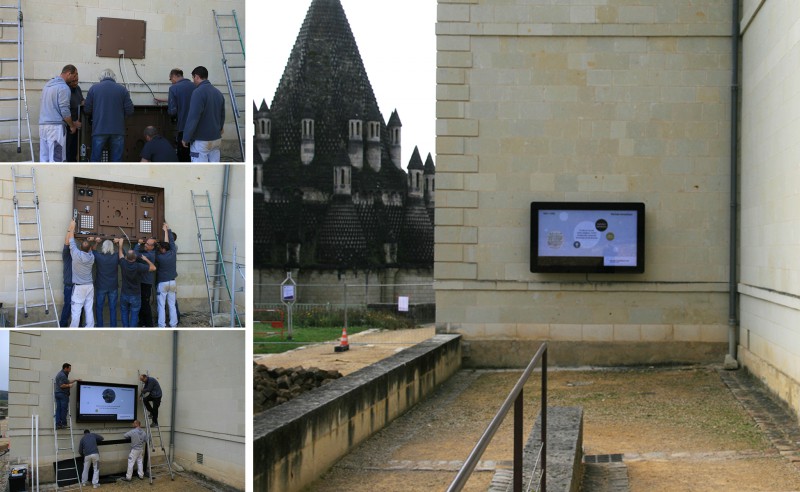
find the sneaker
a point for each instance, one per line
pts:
(125, 479)
(141, 478)
(85, 484)
(96, 486)
(155, 423)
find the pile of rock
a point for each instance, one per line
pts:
(271, 387)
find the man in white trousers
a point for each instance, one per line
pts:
(83, 290)
(138, 442)
(91, 456)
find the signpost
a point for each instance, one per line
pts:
(288, 296)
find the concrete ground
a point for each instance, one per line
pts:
(651, 429)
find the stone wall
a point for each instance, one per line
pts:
(54, 186)
(296, 442)
(179, 34)
(583, 101)
(210, 401)
(769, 336)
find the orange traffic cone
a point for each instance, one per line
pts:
(343, 343)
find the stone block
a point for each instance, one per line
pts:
(455, 271)
(452, 13)
(454, 59)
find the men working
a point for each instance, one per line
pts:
(61, 388)
(54, 114)
(156, 148)
(180, 94)
(146, 249)
(109, 103)
(83, 290)
(105, 280)
(151, 392)
(206, 119)
(138, 439)
(91, 455)
(167, 271)
(75, 103)
(131, 295)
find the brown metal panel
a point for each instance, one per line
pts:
(107, 208)
(114, 35)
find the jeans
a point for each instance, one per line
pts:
(67, 309)
(112, 307)
(145, 313)
(116, 146)
(129, 305)
(166, 295)
(62, 408)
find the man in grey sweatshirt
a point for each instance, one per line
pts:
(138, 439)
(91, 456)
(54, 113)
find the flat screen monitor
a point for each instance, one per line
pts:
(106, 402)
(587, 237)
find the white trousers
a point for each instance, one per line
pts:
(166, 296)
(82, 298)
(205, 150)
(136, 456)
(52, 143)
(87, 462)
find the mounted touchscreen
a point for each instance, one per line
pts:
(106, 402)
(592, 237)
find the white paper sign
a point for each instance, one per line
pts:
(402, 304)
(288, 292)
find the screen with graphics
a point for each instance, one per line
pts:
(574, 237)
(106, 402)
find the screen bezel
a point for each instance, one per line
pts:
(84, 418)
(575, 264)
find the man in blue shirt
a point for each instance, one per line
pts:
(206, 119)
(106, 281)
(109, 103)
(131, 295)
(156, 147)
(146, 251)
(83, 288)
(180, 94)
(151, 396)
(91, 456)
(54, 113)
(62, 384)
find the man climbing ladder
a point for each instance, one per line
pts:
(151, 396)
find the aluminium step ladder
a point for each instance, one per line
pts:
(66, 473)
(232, 47)
(33, 280)
(217, 286)
(155, 442)
(13, 98)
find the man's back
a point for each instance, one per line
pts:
(138, 437)
(109, 103)
(107, 268)
(206, 114)
(159, 150)
(180, 94)
(132, 274)
(88, 444)
(82, 262)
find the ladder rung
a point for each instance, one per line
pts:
(30, 253)
(29, 289)
(23, 176)
(37, 323)
(27, 222)
(36, 305)
(24, 272)
(25, 207)
(26, 191)
(28, 238)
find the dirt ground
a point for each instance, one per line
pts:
(679, 428)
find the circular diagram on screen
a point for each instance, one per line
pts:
(109, 395)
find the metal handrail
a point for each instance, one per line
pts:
(515, 398)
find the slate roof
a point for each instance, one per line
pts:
(325, 80)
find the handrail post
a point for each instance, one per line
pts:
(518, 443)
(543, 484)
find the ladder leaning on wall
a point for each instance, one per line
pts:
(217, 285)
(154, 442)
(66, 473)
(33, 280)
(232, 47)
(12, 70)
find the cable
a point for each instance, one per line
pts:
(140, 78)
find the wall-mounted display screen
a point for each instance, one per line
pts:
(106, 402)
(592, 237)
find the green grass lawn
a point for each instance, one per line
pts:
(300, 336)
